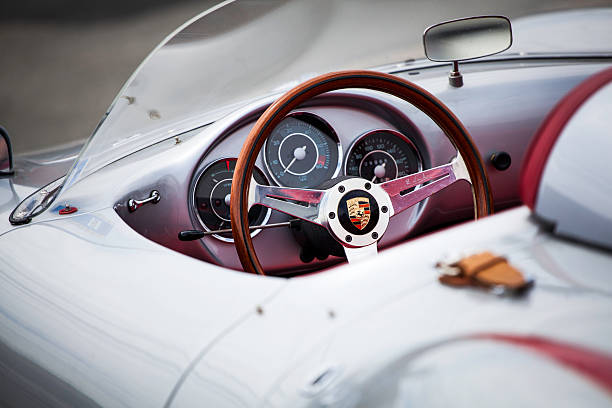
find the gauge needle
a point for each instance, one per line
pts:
(298, 154)
(379, 171)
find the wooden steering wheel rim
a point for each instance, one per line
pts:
(390, 84)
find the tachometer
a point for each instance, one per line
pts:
(211, 198)
(382, 155)
(302, 151)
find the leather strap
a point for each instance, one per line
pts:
(487, 270)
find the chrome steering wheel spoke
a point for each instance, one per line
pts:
(337, 209)
(355, 211)
(437, 178)
(301, 203)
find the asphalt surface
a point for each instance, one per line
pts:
(64, 61)
(62, 65)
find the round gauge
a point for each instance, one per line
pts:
(302, 151)
(211, 198)
(382, 155)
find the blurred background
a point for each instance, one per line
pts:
(63, 61)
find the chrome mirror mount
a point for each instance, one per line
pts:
(465, 39)
(6, 154)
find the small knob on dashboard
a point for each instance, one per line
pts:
(501, 160)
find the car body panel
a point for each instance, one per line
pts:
(122, 317)
(388, 307)
(95, 311)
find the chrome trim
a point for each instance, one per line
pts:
(289, 200)
(335, 226)
(437, 178)
(194, 211)
(153, 198)
(28, 209)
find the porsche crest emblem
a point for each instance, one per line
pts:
(359, 211)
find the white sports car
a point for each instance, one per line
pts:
(278, 209)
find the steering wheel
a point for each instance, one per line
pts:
(355, 211)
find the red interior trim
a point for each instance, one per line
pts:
(546, 136)
(592, 364)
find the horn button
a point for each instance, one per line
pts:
(358, 212)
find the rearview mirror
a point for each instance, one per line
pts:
(467, 38)
(6, 155)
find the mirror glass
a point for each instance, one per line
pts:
(5, 162)
(467, 38)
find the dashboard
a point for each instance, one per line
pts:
(304, 151)
(337, 135)
(352, 133)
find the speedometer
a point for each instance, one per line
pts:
(302, 151)
(382, 155)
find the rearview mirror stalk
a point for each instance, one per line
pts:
(455, 79)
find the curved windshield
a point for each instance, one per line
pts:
(235, 52)
(241, 50)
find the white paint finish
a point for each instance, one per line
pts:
(122, 318)
(391, 305)
(434, 313)
(576, 186)
(114, 315)
(480, 373)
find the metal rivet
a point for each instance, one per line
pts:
(332, 215)
(375, 235)
(348, 238)
(341, 189)
(384, 208)
(368, 186)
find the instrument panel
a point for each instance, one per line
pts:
(382, 155)
(304, 151)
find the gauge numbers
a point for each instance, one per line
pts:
(382, 155)
(211, 198)
(302, 151)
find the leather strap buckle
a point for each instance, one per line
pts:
(485, 270)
